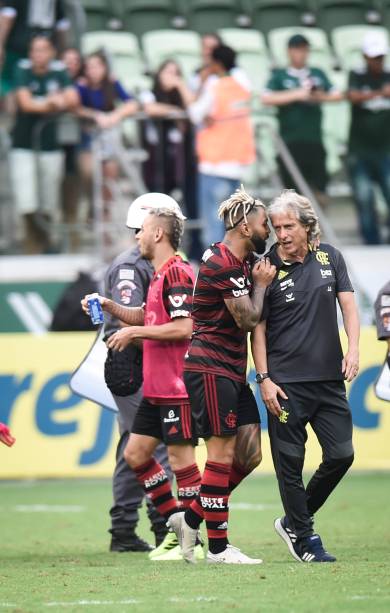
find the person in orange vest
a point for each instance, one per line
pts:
(225, 139)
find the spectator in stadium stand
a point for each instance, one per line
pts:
(224, 141)
(171, 164)
(301, 368)
(164, 325)
(104, 104)
(369, 138)
(43, 90)
(71, 185)
(168, 141)
(298, 92)
(20, 21)
(126, 282)
(209, 42)
(382, 315)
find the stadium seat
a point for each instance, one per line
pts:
(99, 14)
(267, 15)
(180, 45)
(123, 52)
(140, 16)
(331, 14)
(320, 52)
(252, 53)
(347, 43)
(205, 16)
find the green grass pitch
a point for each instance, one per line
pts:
(54, 554)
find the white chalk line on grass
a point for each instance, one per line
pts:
(8, 605)
(98, 603)
(49, 508)
(249, 506)
(102, 603)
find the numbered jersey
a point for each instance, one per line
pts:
(169, 296)
(218, 346)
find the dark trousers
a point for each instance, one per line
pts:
(127, 493)
(311, 161)
(324, 406)
(365, 171)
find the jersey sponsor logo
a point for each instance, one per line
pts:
(180, 313)
(285, 284)
(283, 417)
(207, 255)
(126, 273)
(173, 430)
(155, 480)
(326, 273)
(177, 301)
(126, 288)
(171, 417)
(212, 503)
(282, 274)
(240, 282)
(240, 292)
(322, 257)
(231, 420)
(290, 297)
(188, 492)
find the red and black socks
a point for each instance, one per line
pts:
(155, 482)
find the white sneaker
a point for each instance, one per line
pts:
(188, 542)
(175, 523)
(185, 535)
(231, 555)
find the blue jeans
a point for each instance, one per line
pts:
(212, 191)
(364, 170)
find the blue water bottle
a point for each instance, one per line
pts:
(95, 310)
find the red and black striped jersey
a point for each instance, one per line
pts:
(218, 345)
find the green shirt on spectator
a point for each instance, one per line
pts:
(370, 124)
(25, 134)
(299, 121)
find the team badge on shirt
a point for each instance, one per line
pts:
(322, 257)
(126, 288)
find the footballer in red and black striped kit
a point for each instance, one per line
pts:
(227, 304)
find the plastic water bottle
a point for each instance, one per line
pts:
(95, 310)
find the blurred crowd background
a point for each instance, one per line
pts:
(104, 100)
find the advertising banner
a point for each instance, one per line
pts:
(60, 434)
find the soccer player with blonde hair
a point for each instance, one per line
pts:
(227, 304)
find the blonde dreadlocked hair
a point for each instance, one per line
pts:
(235, 209)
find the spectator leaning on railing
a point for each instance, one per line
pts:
(20, 21)
(298, 92)
(168, 140)
(105, 103)
(43, 89)
(369, 137)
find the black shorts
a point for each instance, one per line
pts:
(220, 405)
(172, 424)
